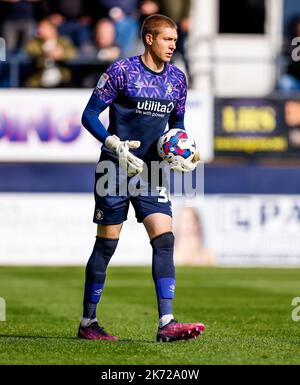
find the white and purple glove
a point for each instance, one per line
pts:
(129, 162)
(186, 165)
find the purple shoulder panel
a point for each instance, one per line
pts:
(112, 82)
(129, 77)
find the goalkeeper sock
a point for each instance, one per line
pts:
(95, 274)
(165, 319)
(85, 322)
(163, 273)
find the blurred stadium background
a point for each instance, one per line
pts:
(241, 61)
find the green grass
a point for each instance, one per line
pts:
(247, 313)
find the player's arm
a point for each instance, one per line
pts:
(176, 120)
(90, 118)
(103, 95)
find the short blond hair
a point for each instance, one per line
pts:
(153, 25)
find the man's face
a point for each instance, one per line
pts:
(164, 44)
(46, 31)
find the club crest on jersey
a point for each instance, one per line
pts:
(169, 88)
(102, 81)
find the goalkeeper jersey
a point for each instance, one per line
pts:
(142, 102)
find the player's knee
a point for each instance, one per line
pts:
(162, 262)
(109, 231)
(163, 269)
(163, 241)
(104, 249)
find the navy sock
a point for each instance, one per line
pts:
(163, 271)
(95, 274)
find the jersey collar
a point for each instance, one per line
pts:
(150, 70)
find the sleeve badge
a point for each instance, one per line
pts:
(102, 81)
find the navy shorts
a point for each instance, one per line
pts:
(113, 193)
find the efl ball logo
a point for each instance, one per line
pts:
(102, 81)
(175, 143)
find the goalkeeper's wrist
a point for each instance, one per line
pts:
(112, 142)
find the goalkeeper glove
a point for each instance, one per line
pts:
(186, 165)
(129, 162)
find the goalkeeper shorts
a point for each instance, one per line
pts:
(114, 193)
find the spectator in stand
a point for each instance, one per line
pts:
(125, 15)
(147, 8)
(106, 49)
(73, 19)
(50, 52)
(290, 80)
(19, 21)
(105, 38)
(179, 11)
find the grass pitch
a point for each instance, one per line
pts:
(247, 313)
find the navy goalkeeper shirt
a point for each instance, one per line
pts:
(142, 102)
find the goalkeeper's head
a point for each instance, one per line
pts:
(159, 35)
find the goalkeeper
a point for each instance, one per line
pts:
(144, 94)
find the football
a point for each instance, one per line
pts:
(175, 143)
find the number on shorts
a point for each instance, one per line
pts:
(163, 194)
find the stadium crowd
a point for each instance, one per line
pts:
(63, 43)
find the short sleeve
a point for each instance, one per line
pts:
(111, 83)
